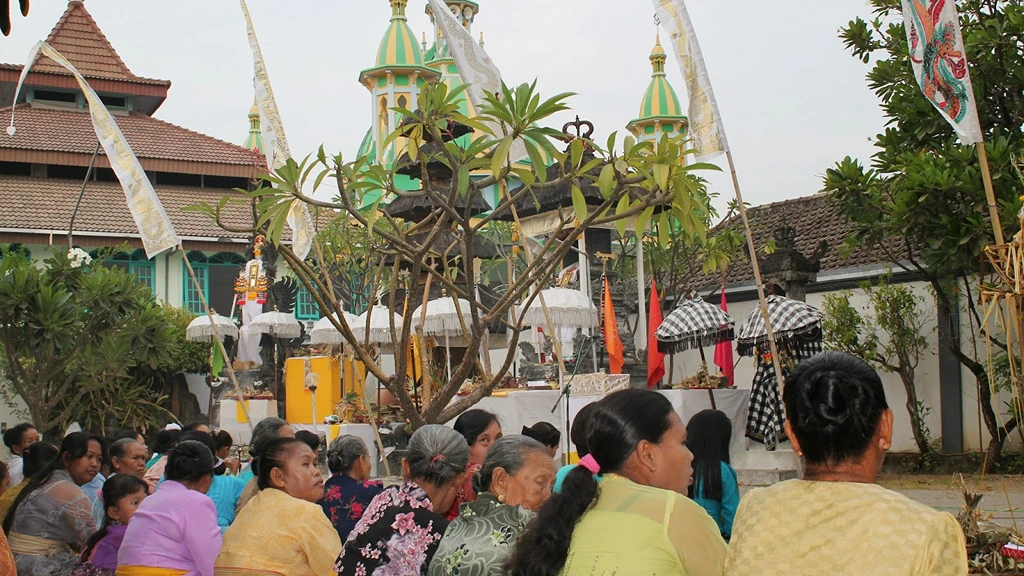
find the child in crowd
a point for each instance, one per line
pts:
(122, 494)
(714, 481)
(546, 434)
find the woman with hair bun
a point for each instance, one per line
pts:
(174, 532)
(349, 490)
(282, 530)
(400, 530)
(640, 521)
(836, 520)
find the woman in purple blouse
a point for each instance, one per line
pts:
(175, 529)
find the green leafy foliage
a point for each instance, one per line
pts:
(890, 333)
(920, 203)
(74, 339)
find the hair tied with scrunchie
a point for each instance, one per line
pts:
(436, 459)
(589, 463)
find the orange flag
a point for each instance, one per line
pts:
(612, 341)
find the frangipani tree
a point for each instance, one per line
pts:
(406, 258)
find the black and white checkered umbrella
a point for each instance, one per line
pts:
(694, 324)
(791, 320)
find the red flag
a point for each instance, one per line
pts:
(612, 341)
(723, 350)
(655, 359)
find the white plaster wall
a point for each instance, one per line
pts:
(927, 380)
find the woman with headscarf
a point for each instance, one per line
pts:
(638, 520)
(282, 531)
(174, 532)
(51, 520)
(400, 530)
(349, 490)
(513, 484)
(836, 520)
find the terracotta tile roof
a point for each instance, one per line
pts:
(78, 38)
(28, 203)
(47, 203)
(815, 219)
(71, 131)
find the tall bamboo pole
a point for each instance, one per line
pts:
(757, 271)
(216, 337)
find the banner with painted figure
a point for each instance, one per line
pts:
(151, 219)
(705, 131)
(274, 142)
(940, 63)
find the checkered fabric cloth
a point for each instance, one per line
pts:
(790, 318)
(766, 416)
(695, 323)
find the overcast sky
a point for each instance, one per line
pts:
(793, 101)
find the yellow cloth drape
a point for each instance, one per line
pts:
(8, 498)
(244, 572)
(147, 571)
(33, 546)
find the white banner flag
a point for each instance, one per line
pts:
(940, 63)
(274, 142)
(705, 131)
(154, 226)
(476, 68)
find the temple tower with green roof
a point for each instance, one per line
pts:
(660, 111)
(255, 140)
(394, 81)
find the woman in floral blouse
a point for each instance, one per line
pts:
(349, 490)
(515, 481)
(400, 530)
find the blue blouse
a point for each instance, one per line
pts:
(721, 511)
(345, 499)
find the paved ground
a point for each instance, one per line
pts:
(1007, 509)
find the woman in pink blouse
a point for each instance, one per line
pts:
(175, 530)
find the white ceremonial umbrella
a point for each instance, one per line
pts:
(442, 319)
(567, 307)
(201, 330)
(276, 324)
(324, 331)
(380, 325)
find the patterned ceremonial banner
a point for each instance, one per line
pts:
(705, 131)
(274, 142)
(154, 226)
(476, 68)
(940, 64)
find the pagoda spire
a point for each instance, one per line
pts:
(255, 140)
(660, 111)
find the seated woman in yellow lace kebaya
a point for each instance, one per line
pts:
(282, 530)
(836, 520)
(638, 520)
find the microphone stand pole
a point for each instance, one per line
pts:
(567, 391)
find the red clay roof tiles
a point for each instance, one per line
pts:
(47, 129)
(815, 219)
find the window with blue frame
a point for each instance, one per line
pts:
(306, 307)
(200, 265)
(135, 263)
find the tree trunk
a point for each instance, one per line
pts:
(917, 424)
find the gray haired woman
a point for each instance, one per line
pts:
(515, 481)
(400, 530)
(349, 490)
